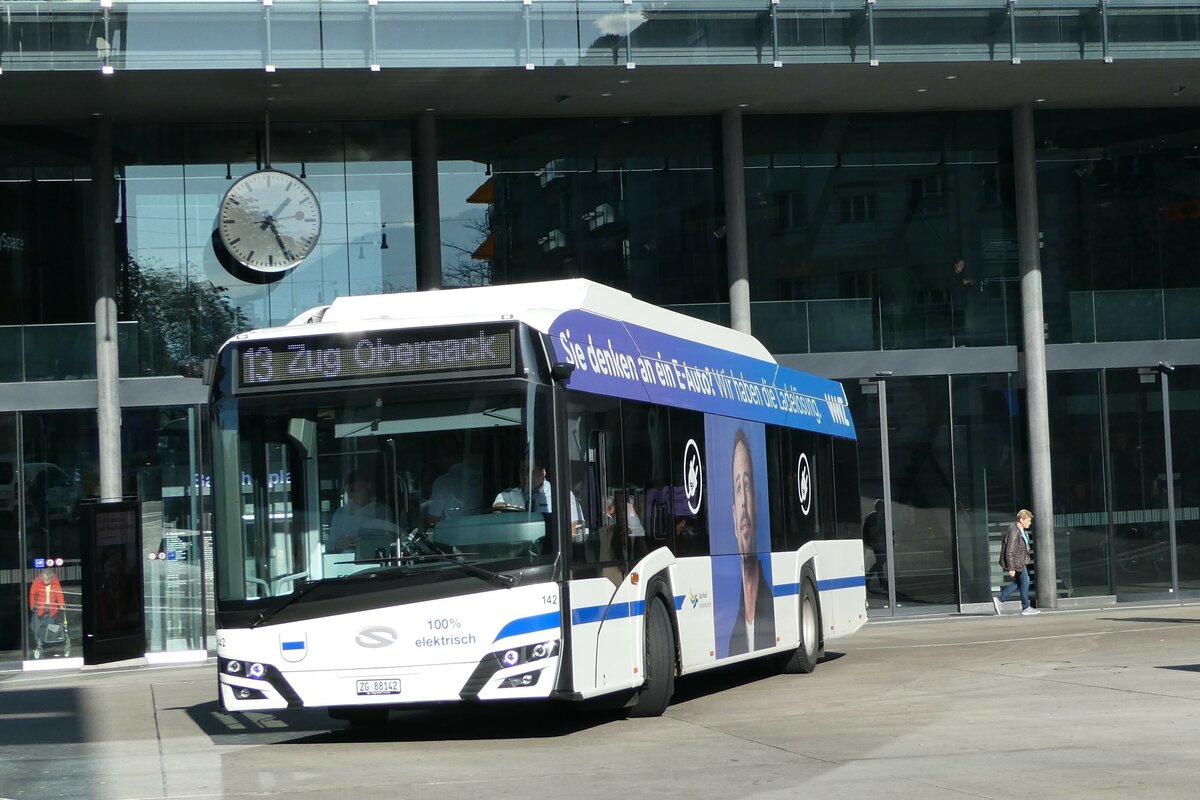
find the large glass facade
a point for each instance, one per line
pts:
(632, 203)
(890, 232)
(1117, 200)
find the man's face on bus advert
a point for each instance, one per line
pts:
(744, 517)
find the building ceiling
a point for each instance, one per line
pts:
(244, 95)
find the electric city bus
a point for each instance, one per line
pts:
(547, 490)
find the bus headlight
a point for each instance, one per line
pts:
(256, 670)
(233, 667)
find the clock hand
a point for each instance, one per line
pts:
(270, 220)
(282, 247)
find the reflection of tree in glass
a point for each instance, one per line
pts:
(468, 269)
(178, 318)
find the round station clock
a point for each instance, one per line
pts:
(269, 221)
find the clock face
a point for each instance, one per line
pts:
(270, 220)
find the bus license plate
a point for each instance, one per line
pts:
(379, 686)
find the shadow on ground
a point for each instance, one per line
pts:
(464, 722)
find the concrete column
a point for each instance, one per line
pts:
(1033, 332)
(736, 256)
(428, 206)
(108, 368)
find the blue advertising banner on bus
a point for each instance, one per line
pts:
(625, 360)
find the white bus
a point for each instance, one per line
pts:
(547, 490)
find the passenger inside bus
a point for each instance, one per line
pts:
(359, 517)
(458, 490)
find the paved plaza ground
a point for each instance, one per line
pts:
(1087, 704)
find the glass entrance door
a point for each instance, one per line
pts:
(907, 480)
(1141, 546)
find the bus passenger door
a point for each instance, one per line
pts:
(602, 639)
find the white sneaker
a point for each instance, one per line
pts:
(1029, 612)
(996, 605)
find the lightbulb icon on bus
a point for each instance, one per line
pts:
(693, 476)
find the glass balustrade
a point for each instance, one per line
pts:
(295, 34)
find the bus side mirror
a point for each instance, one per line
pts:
(561, 370)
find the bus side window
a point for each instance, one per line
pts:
(847, 510)
(647, 478)
(689, 522)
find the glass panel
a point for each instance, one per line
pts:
(345, 36)
(298, 33)
(1180, 311)
(1137, 463)
(781, 327)
(701, 31)
(415, 34)
(990, 482)
(184, 35)
(1154, 32)
(160, 444)
(824, 31)
(842, 325)
(1185, 463)
(60, 467)
(929, 31)
(918, 416)
(570, 34)
(14, 607)
(1077, 465)
(1129, 315)
(1061, 31)
(12, 353)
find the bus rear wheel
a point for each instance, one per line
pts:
(659, 664)
(804, 658)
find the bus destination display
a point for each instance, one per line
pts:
(378, 354)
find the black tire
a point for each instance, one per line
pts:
(804, 658)
(655, 695)
(361, 716)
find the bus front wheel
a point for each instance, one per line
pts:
(659, 664)
(804, 658)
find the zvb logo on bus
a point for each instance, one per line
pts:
(837, 409)
(693, 476)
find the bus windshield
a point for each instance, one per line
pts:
(403, 479)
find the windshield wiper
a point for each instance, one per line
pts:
(499, 578)
(271, 612)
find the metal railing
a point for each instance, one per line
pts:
(110, 35)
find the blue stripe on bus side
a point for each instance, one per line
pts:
(829, 585)
(541, 622)
(582, 616)
(848, 582)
